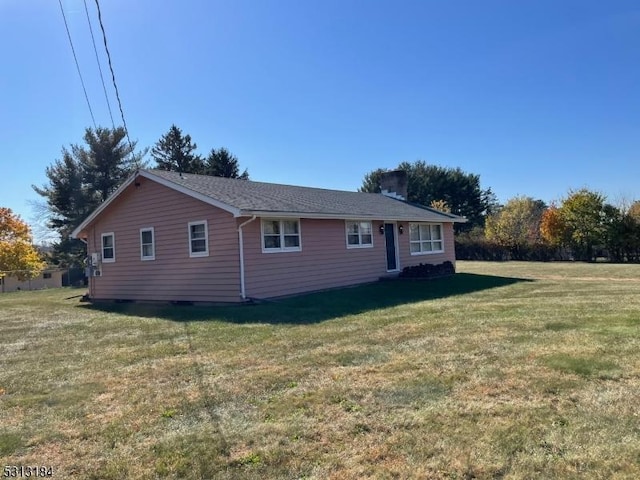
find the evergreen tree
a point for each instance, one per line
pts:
(460, 191)
(175, 152)
(222, 163)
(85, 177)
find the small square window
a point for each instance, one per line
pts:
(359, 234)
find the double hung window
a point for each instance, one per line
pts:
(359, 234)
(147, 244)
(198, 239)
(108, 247)
(281, 235)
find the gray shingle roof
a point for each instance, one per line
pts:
(251, 198)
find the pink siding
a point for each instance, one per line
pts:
(173, 275)
(325, 261)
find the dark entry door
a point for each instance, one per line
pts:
(390, 239)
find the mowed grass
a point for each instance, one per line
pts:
(506, 370)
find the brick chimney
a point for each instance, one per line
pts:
(394, 184)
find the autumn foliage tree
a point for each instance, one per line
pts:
(516, 226)
(584, 224)
(18, 257)
(552, 227)
(583, 212)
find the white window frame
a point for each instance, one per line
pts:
(153, 244)
(421, 241)
(193, 254)
(282, 248)
(113, 247)
(359, 244)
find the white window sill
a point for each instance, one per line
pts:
(281, 250)
(427, 253)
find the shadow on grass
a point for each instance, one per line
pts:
(317, 307)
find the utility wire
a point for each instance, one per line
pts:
(75, 58)
(104, 88)
(113, 78)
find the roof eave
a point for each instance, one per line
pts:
(347, 216)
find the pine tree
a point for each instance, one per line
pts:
(222, 163)
(175, 152)
(85, 177)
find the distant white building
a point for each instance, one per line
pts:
(49, 278)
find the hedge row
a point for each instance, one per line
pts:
(480, 249)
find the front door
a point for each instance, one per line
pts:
(390, 239)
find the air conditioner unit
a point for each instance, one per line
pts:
(97, 273)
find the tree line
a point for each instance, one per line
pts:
(581, 226)
(176, 152)
(86, 175)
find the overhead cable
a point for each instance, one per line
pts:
(104, 88)
(113, 77)
(75, 58)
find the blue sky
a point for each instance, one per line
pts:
(534, 96)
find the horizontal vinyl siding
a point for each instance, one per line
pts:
(324, 262)
(173, 275)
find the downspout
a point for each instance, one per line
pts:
(243, 293)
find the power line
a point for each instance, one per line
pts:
(75, 58)
(113, 77)
(104, 88)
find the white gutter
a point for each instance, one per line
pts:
(243, 293)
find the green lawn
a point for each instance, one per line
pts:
(507, 370)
